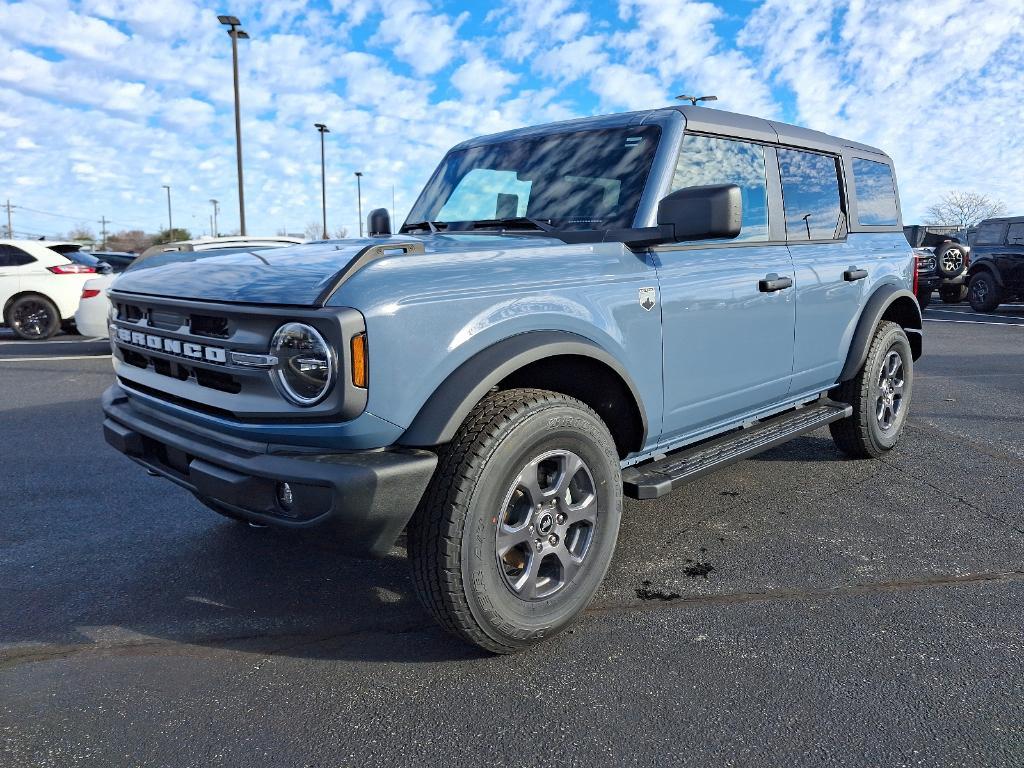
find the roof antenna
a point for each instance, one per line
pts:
(694, 99)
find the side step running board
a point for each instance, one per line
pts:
(658, 478)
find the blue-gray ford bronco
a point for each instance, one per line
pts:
(571, 314)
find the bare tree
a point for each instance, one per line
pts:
(314, 230)
(341, 233)
(964, 209)
(81, 232)
(132, 240)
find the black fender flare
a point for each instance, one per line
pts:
(439, 418)
(986, 266)
(876, 308)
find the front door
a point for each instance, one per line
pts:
(728, 314)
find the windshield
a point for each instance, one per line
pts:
(584, 180)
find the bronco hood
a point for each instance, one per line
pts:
(301, 275)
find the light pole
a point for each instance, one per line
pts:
(359, 197)
(213, 221)
(237, 34)
(170, 224)
(807, 224)
(323, 172)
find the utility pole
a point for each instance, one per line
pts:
(323, 173)
(103, 223)
(10, 228)
(170, 224)
(359, 193)
(236, 33)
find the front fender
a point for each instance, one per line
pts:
(450, 404)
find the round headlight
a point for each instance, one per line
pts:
(306, 365)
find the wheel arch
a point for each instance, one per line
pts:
(557, 360)
(889, 302)
(985, 266)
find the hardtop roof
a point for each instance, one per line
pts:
(701, 119)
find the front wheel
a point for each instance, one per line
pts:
(518, 526)
(984, 292)
(880, 396)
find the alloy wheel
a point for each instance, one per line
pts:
(890, 390)
(546, 525)
(31, 318)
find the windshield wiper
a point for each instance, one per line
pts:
(433, 226)
(514, 221)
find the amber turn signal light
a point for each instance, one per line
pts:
(359, 373)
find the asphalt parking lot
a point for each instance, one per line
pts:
(797, 609)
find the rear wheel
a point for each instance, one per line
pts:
(984, 292)
(33, 318)
(880, 396)
(518, 526)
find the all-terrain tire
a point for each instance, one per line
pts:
(865, 435)
(984, 292)
(452, 538)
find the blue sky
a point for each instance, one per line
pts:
(104, 101)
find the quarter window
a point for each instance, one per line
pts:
(876, 193)
(705, 160)
(810, 193)
(1015, 235)
(11, 256)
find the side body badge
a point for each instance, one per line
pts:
(648, 298)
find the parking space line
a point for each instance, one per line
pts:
(973, 314)
(973, 322)
(51, 357)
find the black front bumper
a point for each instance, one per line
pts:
(366, 497)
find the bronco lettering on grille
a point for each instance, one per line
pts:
(172, 346)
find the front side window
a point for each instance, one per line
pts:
(810, 194)
(580, 181)
(990, 234)
(876, 193)
(705, 161)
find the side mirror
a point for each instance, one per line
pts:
(104, 268)
(378, 223)
(702, 213)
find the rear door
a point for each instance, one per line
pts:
(13, 261)
(728, 344)
(827, 304)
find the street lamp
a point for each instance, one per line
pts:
(694, 99)
(359, 193)
(170, 224)
(213, 220)
(237, 34)
(323, 172)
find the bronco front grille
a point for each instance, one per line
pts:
(183, 352)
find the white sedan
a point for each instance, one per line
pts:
(94, 308)
(40, 285)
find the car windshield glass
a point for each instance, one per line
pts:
(584, 180)
(168, 257)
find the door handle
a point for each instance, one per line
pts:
(773, 282)
(853, 274)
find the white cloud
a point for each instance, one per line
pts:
(420, 37)
(482, 80)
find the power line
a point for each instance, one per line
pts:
(73, 218)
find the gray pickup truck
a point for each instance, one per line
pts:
(571, 314)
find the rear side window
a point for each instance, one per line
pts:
(876, 193)
(11, 256)
(1015, 235)
(810, 193)
(989, 234)
(705, 160)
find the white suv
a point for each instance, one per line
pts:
(40, 285)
